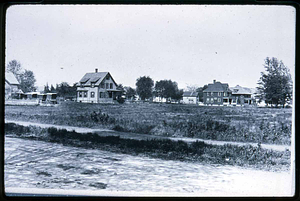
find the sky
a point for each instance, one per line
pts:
(190, 44)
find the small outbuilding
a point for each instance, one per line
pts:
(190, 97)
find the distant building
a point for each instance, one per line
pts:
(190, 97)
(97, 87)
(221, 94)
(11, 86)
(242, 95)
(217, 93)
(159, 99)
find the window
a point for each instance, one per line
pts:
(212, 100)
(107, 77)
(92, 94)
(219, 99)
(225, 94)
(93, 84)
(111, 85)
(208, 93)
(219, 93)
(207, 100)
(106, 85)
(80, 94)
(102, 85)
(85, 94)
(212, 93)
(81, 85)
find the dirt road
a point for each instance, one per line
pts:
(40, 165)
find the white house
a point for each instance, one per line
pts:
(11, 85)
(97, 87)
(190, 97)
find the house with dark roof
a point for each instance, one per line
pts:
(11, 86)
(217, 93)
(97, 87)
(190, 97)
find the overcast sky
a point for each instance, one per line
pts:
(191, 44)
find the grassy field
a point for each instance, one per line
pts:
(243, 124)
(246, 156)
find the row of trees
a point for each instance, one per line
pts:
(274, 86)
(163, 89)
(167, 89)
(63, 89)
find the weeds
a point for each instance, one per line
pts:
(264, 125)
(161, 148)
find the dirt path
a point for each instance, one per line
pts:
(68, 128)
(107, 132)
(35, 166)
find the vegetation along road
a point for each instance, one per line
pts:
(126, 135)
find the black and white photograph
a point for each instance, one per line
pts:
(150, 100)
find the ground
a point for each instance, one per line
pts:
(242, 124)
(35, 164)
(44, 164)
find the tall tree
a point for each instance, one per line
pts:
(200, 92)
(14, 67)
(46, 88)
(52, 89)
(178, 95)
(144, 87)
(166, 89)
(27, 81)
(275, 85)
(25, 77)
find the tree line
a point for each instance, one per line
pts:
(274, 85)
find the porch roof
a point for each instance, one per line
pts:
(113, 90)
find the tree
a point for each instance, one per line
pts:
(52, 89)
(14, 67)
(27, 81)
(25, 77)
(65, 90)
(46, 88)
(200, 92)
(275, 85)
(178, 94)
(130, 93)
(144, 87)
(166, 89)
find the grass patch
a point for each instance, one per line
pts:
(161, 148)
(242, 124)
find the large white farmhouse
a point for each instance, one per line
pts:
(97, 87)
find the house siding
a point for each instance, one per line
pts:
(103, 92)
(190, 100)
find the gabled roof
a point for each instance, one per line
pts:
(190, 94)
(95, 78)
(10, 78)
(240, 90)
(217, 87)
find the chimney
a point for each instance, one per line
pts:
(96, 70)
(214, 81)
